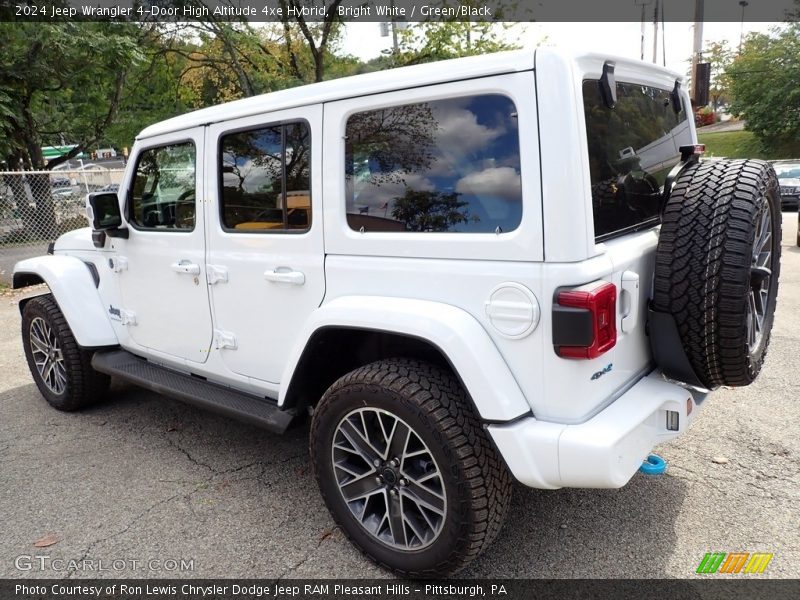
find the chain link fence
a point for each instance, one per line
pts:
(38, 206)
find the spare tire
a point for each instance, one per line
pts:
(716, 275)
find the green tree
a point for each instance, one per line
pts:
(441, 40)
(719, 56)
(764, 84)
(61, 83)
(430, 211)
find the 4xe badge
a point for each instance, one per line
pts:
(602, 372)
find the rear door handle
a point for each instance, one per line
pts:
(184, 266)
(630, 301)
(281, 275)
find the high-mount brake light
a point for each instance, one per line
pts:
(585, 321)
(692, 150)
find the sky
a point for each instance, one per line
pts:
(622, 39)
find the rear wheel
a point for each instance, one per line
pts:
(717, 267)
(61, 369)
(406, 469)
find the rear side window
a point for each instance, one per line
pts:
(632, 148)
(266, 179)
(163, 192)
(440, 166)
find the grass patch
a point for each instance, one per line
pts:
(743, 144)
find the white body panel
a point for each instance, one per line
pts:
(452, 330)
(73, 288)
(603, 452)
(169, 308)
(264, 315)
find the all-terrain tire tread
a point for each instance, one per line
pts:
(702, 271)
(85, 386)
(442, 398)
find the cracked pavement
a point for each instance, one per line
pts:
(146, 478)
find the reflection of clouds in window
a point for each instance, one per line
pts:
(465, 161)
(501, 182)
(462, 137)
(377, 197)
(249, 176)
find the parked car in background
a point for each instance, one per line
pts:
(788, 172)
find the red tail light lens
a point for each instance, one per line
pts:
(601, 304)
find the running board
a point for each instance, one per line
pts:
(251, 409)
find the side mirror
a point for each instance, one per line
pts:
(103, 211)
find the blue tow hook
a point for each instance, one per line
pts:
(653, 465)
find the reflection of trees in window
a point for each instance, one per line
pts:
(260, 171)
(298, 150)
(430, 211)
(641, 116)
(383, 145)
(434, 166)
(251, 166)
(631, 149)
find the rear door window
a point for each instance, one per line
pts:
(632, 148)
(265, 179)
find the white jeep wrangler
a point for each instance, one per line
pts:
(506, 265)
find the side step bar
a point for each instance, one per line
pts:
(251, 409)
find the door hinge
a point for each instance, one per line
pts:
(120, 263)
(224, 339)
(125, 317)
(216, 274)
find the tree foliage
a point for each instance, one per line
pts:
(61, 82)
(430, 211)
(719, 56)
(441, 40)
(764, 84)
(99, 84)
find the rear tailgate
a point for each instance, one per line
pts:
(622, 154)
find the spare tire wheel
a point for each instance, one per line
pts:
(717, 267)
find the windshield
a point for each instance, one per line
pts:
(790, 171)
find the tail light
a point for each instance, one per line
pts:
(585, 320)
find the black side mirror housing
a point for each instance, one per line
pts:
(105, 214)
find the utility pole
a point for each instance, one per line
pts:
(743, 4)
(697, 50)
(643, 4)
(655, 32)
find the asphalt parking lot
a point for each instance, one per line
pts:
(146, 480)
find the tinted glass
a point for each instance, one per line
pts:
(445, 165)
(266, 179)
(632, 148)
(163, 194)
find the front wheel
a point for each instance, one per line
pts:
(61, 369)
(406, 469)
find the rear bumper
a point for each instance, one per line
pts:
(603, 452)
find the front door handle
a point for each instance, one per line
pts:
(282, 275)
(184, 266)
